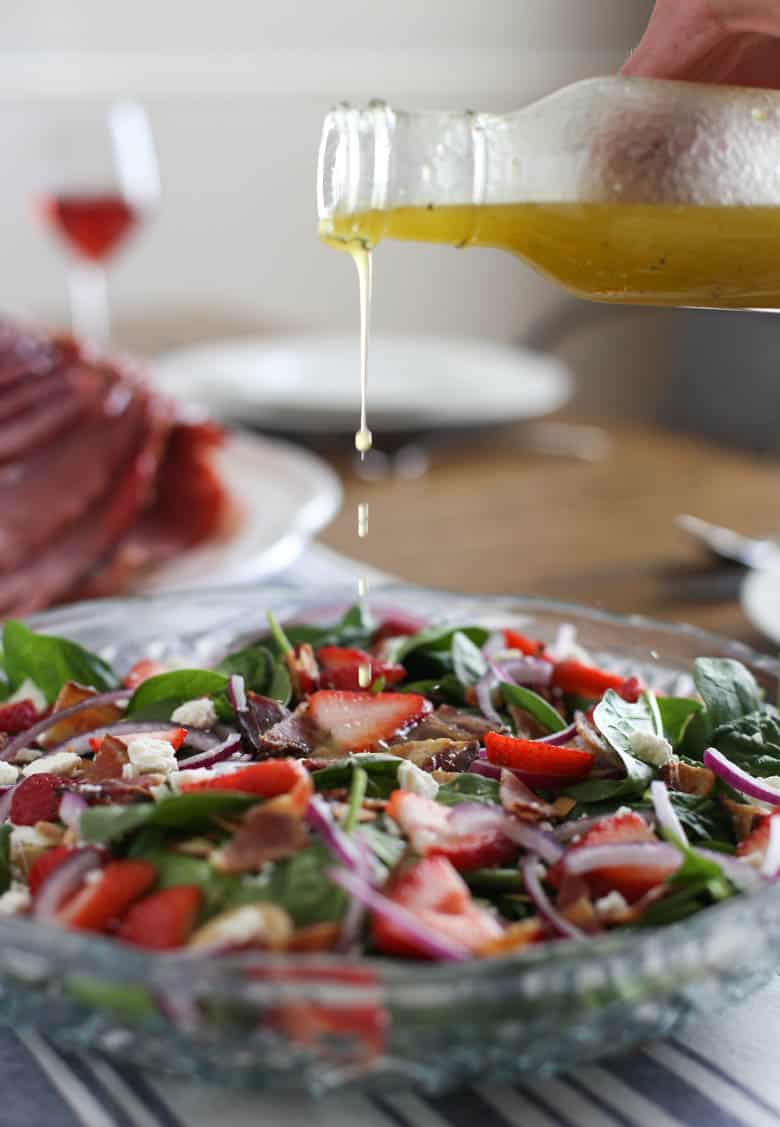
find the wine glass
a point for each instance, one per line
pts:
(100, 181)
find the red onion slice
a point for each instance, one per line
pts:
(559, 739)
(237, 691)
(356, 912)
(535, 840)
(479, 817)
(476, 818)
(72, 806)
(580, 826)
(642, 854)
(742, 875)
(738, 779)
(63, 880)
(320, 818)
(487, 770)
(541, 901)
(123, 729)
(533, 671)
(424, 938)
(484, 688)
(665, 812)
(25, 738)
(6, 796)
(213, 754)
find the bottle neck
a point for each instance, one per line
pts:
(378, 161)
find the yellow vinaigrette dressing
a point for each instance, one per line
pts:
(653, 254)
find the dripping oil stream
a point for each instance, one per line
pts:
(363, 437)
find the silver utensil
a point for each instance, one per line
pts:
(727, 544)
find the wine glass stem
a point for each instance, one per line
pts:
(89, 313)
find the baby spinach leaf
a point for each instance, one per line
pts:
(618, 719)
(728, 689)
(354, 628)
(261, 670)
(156, 698)
(468, 787)
(300, 885)
(618, 791)
(676, 712)
(436, 639)
(51, 661)
(752, 742)
(698, 882)
(534, 705)
(468, 662)
(177, 868)
(382, 772)
(386, 847)
(192, 812)
(702, 816)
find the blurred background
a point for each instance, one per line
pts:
(235, 95)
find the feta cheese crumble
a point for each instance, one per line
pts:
(8, 774)
(16, 899)
(28, 690)
(650, 748)
(57, 763)
(199, 713)
(612, 906)
(149, 755)
(414, 779)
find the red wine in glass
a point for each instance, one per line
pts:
(98, 181)
(93, 224)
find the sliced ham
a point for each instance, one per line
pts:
(98, 477)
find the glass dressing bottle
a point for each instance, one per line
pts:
(619, 189)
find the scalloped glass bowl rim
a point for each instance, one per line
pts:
(403, 976)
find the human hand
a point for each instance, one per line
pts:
(727, 41)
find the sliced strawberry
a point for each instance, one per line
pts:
(340, 668)
(356, 721)
(96, 905)
(758, 838)
(514, 640)
(428, 825)
(36, 799)
(439, 898)
(43, 866)
(540, 765)
(632, 883)
(163, 920)
(17, 717)
(174, 736)
(142, 671)
(584, 680)
(269, 779)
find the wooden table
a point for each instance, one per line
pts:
(489, 516)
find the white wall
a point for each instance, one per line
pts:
(237, 92)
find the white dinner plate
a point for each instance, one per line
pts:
(311, 383)
(284, 494)
(760, 598)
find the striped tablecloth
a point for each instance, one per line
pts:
(722, 1071)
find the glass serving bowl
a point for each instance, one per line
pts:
(323, 1022)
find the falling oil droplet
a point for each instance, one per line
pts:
(362, 586)
(364, 675)
(363, 520)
